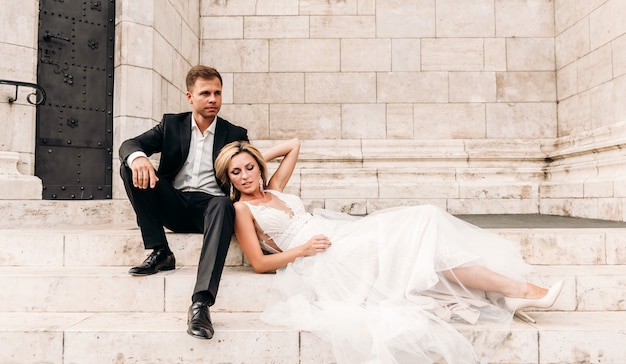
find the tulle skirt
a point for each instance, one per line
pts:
(378, 294)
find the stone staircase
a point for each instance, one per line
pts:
(67, 297)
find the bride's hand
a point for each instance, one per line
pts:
(317, 244)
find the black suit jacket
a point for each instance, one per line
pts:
(171, 138)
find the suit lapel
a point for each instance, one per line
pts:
(185, 137)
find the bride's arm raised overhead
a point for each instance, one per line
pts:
(289, 150)
(245, 228)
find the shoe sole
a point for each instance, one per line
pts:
(149, 274)
(198, 336)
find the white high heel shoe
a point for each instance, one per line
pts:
(518, 304)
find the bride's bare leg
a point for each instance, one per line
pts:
(479, 277)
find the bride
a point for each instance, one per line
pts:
(383, 288)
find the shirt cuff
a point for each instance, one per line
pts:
(133, 156)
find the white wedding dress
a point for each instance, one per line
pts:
(376, 293)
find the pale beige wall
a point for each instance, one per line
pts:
(418, 70)
(18, 50)
(590, 63)
(157, 41)
(385, 69)
(587, 177)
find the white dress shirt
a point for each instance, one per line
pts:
(197, 173)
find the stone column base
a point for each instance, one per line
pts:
(13, 184)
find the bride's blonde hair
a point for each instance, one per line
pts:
(223, 161)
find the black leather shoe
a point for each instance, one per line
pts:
(199, 321)
(158, 260)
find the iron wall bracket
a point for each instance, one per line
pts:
(39, 94)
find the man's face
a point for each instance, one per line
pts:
(206, 97)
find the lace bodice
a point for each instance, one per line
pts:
(281, 219)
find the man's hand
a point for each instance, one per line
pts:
(144, 175)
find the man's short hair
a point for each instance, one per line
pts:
(200, 71)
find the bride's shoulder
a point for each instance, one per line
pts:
(241, 207)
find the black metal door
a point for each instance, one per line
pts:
(73, 154)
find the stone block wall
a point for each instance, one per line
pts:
(478, 106)
(590, 47)
(386, 69)
(587, 173)
(391, 94)
(391, 70)
(18, 47)
(157, 41)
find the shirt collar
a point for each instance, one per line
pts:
(211, 128)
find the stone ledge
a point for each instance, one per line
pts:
(544, 239)
(590, 337)
(112, 289)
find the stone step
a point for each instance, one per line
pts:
(557, 337)
(112, 289)
(68, 299)
(121, 245)
(97, 245)
(47, 213)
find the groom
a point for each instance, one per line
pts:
(183, 194)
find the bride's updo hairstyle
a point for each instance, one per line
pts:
(223, 161)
